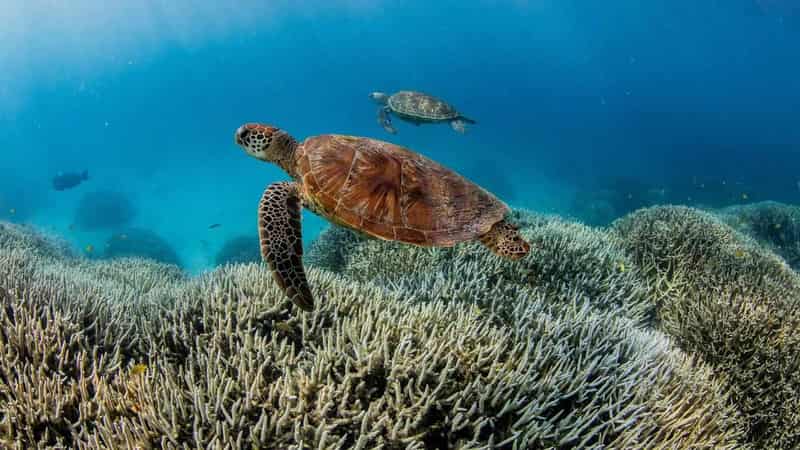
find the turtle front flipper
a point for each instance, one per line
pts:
(282, 242)
(385, 121)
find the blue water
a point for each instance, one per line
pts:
(698, 100)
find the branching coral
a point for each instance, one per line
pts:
(722, 296)
(772, 224)
(568, 260)
(229, 364)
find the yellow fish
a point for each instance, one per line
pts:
(739, 253)
(621, 267)
(284, 327)
(89, 248)
(777, 226)
(138, 369)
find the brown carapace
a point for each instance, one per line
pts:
(375, 187)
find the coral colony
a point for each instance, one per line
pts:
(668, 329)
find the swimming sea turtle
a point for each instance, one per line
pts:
(374, 187)
(417, 108)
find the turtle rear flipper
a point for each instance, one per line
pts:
(504, 240)
(460, 124)
(282, 242)
(385, 121)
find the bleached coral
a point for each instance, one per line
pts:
(774, 225)
(568, 260)
(724, 297)
(231, 364)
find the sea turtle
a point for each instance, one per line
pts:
(417, 108)
(377, 188)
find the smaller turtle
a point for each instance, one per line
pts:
(373, 187)
(417, 108)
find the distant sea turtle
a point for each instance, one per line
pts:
(374, 187)
(417, 108)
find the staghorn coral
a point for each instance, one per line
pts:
(332, 248)
(568, 260)
(774, 225)
(30, 239)
(231, 365)
(724, 297)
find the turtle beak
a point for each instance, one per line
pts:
(241, 135)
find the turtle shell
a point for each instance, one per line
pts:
(392, 193)
(416, 105)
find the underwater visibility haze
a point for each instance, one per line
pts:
(525, 224)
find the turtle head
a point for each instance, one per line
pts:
(267, 143)
(379, 98)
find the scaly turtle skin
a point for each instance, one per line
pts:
(374, 187)
(417, 108)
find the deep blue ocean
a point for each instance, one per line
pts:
(587, 109)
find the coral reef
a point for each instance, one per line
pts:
(152, 359)
(720, 295)
(103, 209)
(774, 225)
(569, 260)
(238, 250)
(141, 243)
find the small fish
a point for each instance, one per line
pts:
(138, 369)
(123, 236)
(621, 267)
(89, 248)
(64, 181)
(71, 227)
(745, 197)
(739, 253)
(12, 211)
(214, 225)
(778, 226)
